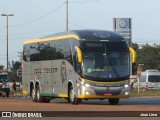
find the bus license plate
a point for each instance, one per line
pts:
(108, 94)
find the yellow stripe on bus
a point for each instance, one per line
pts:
(104, 82)
(51, 38)
(63, 95)
(101, 97)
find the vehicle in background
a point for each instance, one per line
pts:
(19, 86)
(133, 79)
(149, 80)
(5, 77)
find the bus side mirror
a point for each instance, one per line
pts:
(79, 54)
(133, 53)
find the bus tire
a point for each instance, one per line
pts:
(47, 99)
(72, 98)
(39, 97)
(68, 100)
(34, 95)
(7, 94)
(113, 101)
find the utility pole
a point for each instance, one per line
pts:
(7, 34)
(66, 15)
(19, 71)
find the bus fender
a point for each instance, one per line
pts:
(70, 83)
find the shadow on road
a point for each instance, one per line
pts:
(149, 100)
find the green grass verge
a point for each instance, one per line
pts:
(144, 92)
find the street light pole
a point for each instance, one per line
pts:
(7, 34)
(66, 15)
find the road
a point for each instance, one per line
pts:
(91, 108)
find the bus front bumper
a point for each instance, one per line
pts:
(103, 92)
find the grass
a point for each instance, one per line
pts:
(144, 92)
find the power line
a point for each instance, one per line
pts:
(10, 54)
(32, 34)
(77, 25)
(34, 20)
(89, 1)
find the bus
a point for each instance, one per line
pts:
(77, 65)
(4, 76)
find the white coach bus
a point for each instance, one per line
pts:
(76, 65)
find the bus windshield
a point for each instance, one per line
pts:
(4, 78)
(105, 60)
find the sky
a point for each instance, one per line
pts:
(37, 18)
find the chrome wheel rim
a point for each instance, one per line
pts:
(33, 94)
(38, 95)
(72, 95)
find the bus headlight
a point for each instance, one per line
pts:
(126, 93)
(87, 85)
(126, 85)
(82, 83)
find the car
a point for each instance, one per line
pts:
(133, 79)
(149, 80)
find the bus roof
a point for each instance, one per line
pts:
(89, 35)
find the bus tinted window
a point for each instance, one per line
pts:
(4, 78)
(51, 50)
(111, 46)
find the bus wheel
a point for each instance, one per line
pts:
(7, 94)
(34, 95)
(47, 99)
(39, 97)
(73, 100)
(113, 101)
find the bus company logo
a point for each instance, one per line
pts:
(107, 88)
(101, 34)
(63, 71)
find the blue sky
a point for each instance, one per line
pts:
(36, 18)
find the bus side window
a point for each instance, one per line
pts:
(77, 64)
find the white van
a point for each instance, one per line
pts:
(150, 79)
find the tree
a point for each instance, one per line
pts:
(1, 67)
(149, 56)
(13, 68)
(135, 46)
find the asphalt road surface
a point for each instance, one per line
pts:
(95, 109)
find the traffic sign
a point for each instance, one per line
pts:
(19, 72)
(139, 70)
